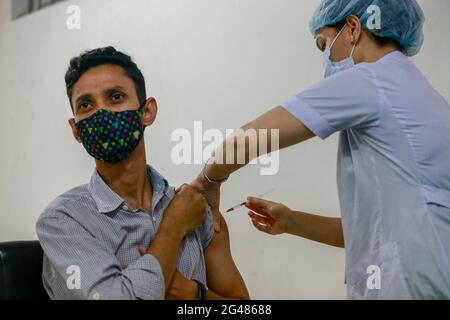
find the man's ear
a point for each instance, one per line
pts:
(74, 130)
(149, 112)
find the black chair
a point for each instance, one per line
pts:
(21, 271)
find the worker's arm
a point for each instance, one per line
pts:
(275, 218)
(290, 132)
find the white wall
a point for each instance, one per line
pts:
(223, 62)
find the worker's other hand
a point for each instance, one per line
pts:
(211, 191)
(269, 217)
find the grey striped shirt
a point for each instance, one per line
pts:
(89, 232)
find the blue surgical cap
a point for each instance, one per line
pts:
(401, 20)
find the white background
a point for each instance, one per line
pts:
(224, 62)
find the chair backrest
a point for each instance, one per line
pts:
(21, 271)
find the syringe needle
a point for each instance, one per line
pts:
(236, 207)
(243, 203)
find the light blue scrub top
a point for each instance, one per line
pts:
(393, 175)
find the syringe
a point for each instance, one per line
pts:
(243, 203)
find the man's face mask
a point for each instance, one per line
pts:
(111, 136)
(332, 67)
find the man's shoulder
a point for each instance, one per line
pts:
(206, 229)
(157, 177)
(61, 205)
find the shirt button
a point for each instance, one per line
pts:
(125, 207)
(96, 296)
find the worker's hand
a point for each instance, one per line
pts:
(269, 217)
(212, 194)
(186, 211)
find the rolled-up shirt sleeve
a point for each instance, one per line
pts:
(207, 228)
(69, 246)
(349, 99)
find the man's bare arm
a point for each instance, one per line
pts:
(223, 277)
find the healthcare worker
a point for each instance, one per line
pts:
(393, 159)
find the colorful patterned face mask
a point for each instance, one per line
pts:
(111, 136)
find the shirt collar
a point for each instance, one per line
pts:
(108, 201)
(393, 55)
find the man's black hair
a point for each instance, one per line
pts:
(101, 56)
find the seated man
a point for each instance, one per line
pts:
(127, 234)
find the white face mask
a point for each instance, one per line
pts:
(332, 67)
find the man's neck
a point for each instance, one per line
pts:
(129, 178)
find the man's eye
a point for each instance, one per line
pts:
(85, 105)
(117, 96)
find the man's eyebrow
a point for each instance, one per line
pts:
(107, 92)
(110, 91)
(85, 96)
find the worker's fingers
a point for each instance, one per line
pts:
(261, 227)
(258, 205)
(259, 201)
(258, 218)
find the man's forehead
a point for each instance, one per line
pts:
(100, 78)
